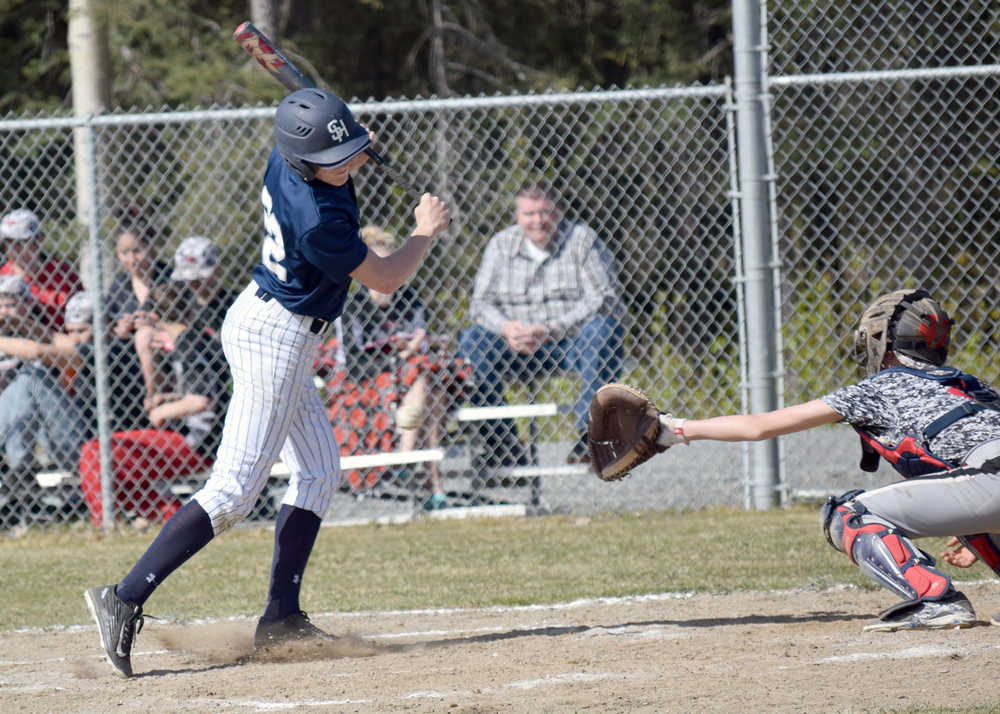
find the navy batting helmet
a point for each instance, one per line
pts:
(315, 128)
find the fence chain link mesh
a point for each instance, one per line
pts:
(880, 180)
(826, 37)
(883, 183)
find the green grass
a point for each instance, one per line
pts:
(443, 564)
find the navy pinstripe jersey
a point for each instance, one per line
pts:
(312, 241)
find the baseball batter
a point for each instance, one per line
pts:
(939, 427)
(311, 250)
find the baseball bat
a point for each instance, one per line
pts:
(291, 77)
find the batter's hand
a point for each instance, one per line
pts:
(960, 557)
(432, 216)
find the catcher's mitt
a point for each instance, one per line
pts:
(623, 430)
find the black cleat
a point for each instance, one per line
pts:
(118, 622)
(293, 628)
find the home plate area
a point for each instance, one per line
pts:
(756, 651)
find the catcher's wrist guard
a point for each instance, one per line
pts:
(624, 431)
(672, 431)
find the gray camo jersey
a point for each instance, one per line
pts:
(893, 405)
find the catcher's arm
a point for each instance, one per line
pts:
(765, 425)
(626, 429)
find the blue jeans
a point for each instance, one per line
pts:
(595, 354)
(34, 409)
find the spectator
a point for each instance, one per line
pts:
(387, 349)
(36, 409)
(129, 289)
(196, 262)
(51, 281)
(20, 316)
(546, 298)
(187, 418)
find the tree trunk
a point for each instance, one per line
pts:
(264, 14)
(89, 62)
(438, 76)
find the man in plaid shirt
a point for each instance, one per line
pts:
(546, 298)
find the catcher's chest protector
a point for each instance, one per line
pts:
(910, 456)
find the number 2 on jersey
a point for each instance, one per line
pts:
(273, 249)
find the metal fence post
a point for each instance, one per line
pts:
(739, 278)
(748, 52)
(100, 332)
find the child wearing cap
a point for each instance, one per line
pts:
(20, 316)
(51, 281)
(196, 262)
(187, 414)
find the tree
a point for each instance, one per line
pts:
(181, 53)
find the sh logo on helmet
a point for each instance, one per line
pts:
(338, 130)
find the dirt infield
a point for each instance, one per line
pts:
(790, 651)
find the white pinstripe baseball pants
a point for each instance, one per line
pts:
(275, 411)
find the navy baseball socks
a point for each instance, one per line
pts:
(295, 532)
(117, 610)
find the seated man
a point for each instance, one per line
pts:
(546, 298)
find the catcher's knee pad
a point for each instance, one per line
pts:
(831, 524)
(882, 553)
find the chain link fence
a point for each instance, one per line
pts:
(883, 178)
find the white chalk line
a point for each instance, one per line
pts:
(523, 685)
(265, 706)
(53, 660)
(551, 607)
(445, 611)
(10, 687)
(909, 653)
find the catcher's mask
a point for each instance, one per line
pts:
(908, 322)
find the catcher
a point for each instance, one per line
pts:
(936, 425)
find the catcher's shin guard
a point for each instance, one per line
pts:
(875, 546)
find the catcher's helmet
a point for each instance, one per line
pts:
(315, 128)
(908, 322)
